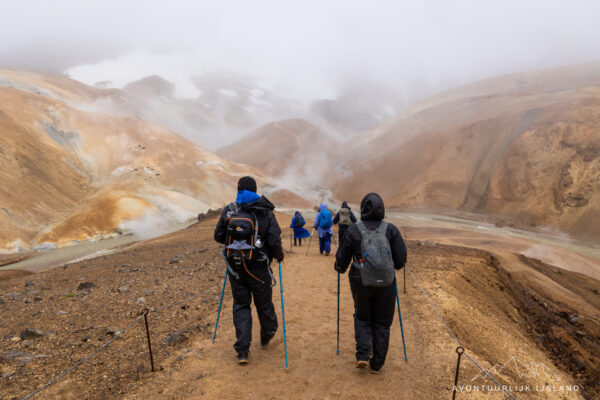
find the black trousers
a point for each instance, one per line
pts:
(374, 309)
(299, 241)
(341, 232)
(244, 290)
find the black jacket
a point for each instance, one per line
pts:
(268, 228)
(336, 219)
(372, 212)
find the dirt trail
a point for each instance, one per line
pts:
(315, 372)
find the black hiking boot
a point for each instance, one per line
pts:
(266, 339)
(373, 370)
(242, 358)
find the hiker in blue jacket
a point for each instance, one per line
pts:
(323, 223)
(297, 224)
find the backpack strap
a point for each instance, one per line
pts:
(382, 228)
(362, 229)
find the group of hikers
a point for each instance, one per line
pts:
(372, 248)
(324, 225)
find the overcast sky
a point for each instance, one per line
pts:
(311, 46)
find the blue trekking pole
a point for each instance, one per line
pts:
(283, 315)
(338, 318)
(400, 318)
(220, 304)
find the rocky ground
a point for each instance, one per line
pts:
(51, 320)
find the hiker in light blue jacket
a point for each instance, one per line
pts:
(323, 223)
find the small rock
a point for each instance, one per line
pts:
(573, 318)
(545, 305)
(31, 333)
(2, 301)
(148, 291)
(579, 361)
(581, 333)
(61, 312)
(140, 300)
(123, 289)
(125, 265)
(21, 356)
(86, 286)
(7, 374)
(176, 337)
(174, 260)
(37, 299)
(29, 283)
(113, 331)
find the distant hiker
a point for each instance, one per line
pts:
(344, 218)
(298, 223)
(252, 239)
(375, 248)
(323, 223)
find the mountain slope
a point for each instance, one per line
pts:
(70, 175)
(526, 146)
(293, 150)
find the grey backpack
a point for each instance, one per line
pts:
(376, 266)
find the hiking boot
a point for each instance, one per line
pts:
(362, 364)
(266, 339)
(326, 254)
(242, 358)
(373, 370)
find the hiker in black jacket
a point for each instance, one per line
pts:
(344, 218)
(373, 306)
(253, 281)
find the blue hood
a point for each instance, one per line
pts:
(323, 207)
(246, 196)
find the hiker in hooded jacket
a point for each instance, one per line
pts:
(344, 218)
(297, 225)
(323, 223)
(252, 238)
(376, 249)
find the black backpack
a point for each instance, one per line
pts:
(300, 222)
(242, 236)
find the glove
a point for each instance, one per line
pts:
(280, 259)
(338, 268)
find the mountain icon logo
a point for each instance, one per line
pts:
(516, 367)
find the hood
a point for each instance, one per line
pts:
(372, 208)
(297, 213)
(262, 204)
(246, 196)
(345, 205)
(323, 207)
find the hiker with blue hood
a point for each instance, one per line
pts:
(376, 249)
(252, 238)
(323, 223)
(297, 225)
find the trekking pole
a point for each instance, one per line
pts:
(291, 248)
(400, 318)
(338, 317)
(310, 240)
(220, 304)
(283, 316)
